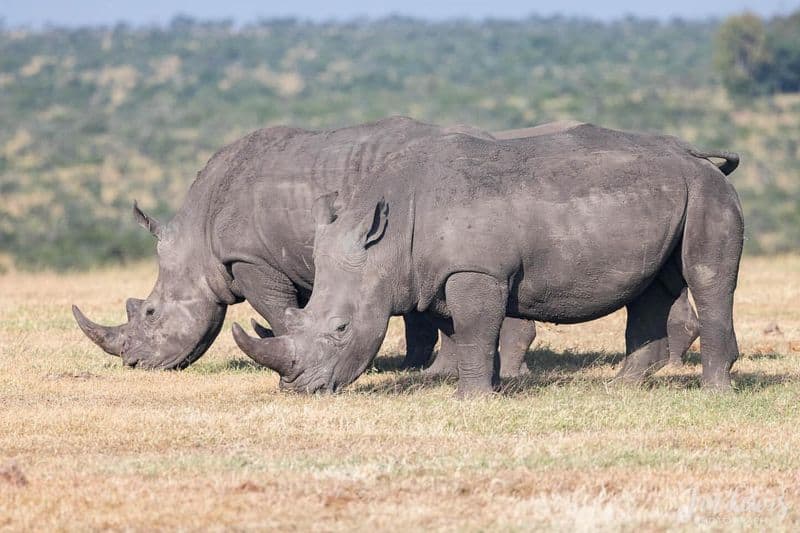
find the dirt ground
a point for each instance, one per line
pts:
(88, 444)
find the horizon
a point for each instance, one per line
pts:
(43, 14)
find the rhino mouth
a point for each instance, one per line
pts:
(309, 385)
(138, 349)
(151, 362)
(298, 372)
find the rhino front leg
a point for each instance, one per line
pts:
(516, 336)
(444, 363)
(269, 292)
(421, 336)
(646, 344)
(477, 304)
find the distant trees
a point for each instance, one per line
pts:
(741, 53)
(756, 57)
(783, 42)
(95, 117)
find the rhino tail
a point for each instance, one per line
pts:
(731, 159)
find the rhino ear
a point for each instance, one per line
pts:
(373, 227)
(323, 210)
(147, 222)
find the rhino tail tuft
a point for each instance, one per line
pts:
(731, 159)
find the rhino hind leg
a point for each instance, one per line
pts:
(646, 343)
(710, 255)
(516, 336)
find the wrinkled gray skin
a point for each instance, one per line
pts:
(516, 335)
(245, 233)
(559, 228)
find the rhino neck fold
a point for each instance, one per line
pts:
(220, 283)
(191, 233)
(412, 297)
(400, 281)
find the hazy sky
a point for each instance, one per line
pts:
(81, 12)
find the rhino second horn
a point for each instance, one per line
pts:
(109, 338)
(276, 353)
(132, 306)
(262, 331)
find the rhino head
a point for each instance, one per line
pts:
(180, 318)
(333, 339)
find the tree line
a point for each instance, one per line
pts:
(96, 117)
(754, 56)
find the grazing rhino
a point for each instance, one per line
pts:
(559, 228)
(244, 232)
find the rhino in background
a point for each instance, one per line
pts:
(561, 228)
(245, 232)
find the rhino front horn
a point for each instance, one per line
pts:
(276, 353)
(110, 339)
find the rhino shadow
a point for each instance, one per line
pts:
(547, 367)
(537, 359)
(550, 367)
(548, 359)
(388, 363)
(231, 365)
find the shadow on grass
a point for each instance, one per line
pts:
(744, 381)
(551, 368)
(547, 359)
(547, 367)
(692, 358)
(749, 381)
(231, 365)
(388, 363)
(539, 359)
(409, 383)
(764, 355)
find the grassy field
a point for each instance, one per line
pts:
(87, 444)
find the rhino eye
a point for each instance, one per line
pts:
(151, 314)
(338, 326)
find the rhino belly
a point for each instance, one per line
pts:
(589, 256)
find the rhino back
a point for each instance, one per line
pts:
(257, 193)
(587, 214)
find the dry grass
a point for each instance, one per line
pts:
(87, 444)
